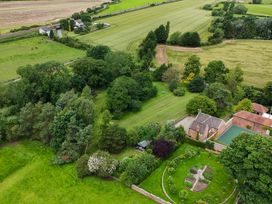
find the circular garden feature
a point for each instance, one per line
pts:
(196, 176)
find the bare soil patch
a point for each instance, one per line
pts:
(18, 13)
(184, 49)
(161, 55)
(200, 186)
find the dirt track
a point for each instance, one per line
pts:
(161, 55)
(18, 13)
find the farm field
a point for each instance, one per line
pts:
(165, 106)
(260, 9)
(127, 30)
(27, 176)
(127, 4)
(253, 56)
(19, 13)
(32, 51)
(217, 191)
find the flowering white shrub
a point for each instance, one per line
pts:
(101, 164)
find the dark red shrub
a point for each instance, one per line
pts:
(162, 148)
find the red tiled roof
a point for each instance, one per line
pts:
(254, 118)
(259, 108)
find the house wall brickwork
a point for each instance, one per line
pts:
(249, 125)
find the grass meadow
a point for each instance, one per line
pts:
(253, 56)
(128, 4)
(27, 176)
(165, 106)
(127, 30)
(218, 190)
(259, 9)
(14, 54)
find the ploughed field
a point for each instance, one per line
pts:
(19, 13)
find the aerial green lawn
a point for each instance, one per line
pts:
(165, 106)
(32, 50)
(27, 176)
(127, 30)
(218, 190)
(259, 9)
(128, 4)
(253, 56)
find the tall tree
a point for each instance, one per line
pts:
(91, 72)
(215, 72)
(98, 52)
(123, 95)
(219, 93)
(113, 138)
(161, 34)
(44, 82)
(192, 65)
(201, 103)
(249, 159)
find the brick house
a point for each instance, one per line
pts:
(252, 121)
(205, 126)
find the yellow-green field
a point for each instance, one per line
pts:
(33, 50)
(28, 176)
(127, 30)
(165, 106)
(253, 56)
(259, 9)
(128, 4)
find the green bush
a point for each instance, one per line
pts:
(240, 9)
(208, 175)
(123, 164)
(208, 7)
(193, 170)
(138, 169)
(170, 180)
(188, 184)
(173, 85)
(82, 167)
(180, 91)
(172, 188)
(183, 195)
(217, 12)
(173, 164)
(170, 170)
(205, 181)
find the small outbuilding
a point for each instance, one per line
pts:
(45, 31)
(143, 145)
(259, 109)
(79, 24)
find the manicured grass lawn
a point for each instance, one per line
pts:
(129, 151)
(33, 50)
(127, 30)
(219, 189)
(253, 56)
(27, 176)
(165, 106)
(128, 4)
(259, 9)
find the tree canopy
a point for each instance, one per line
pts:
(249, 159)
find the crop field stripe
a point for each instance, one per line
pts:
(184, 16)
